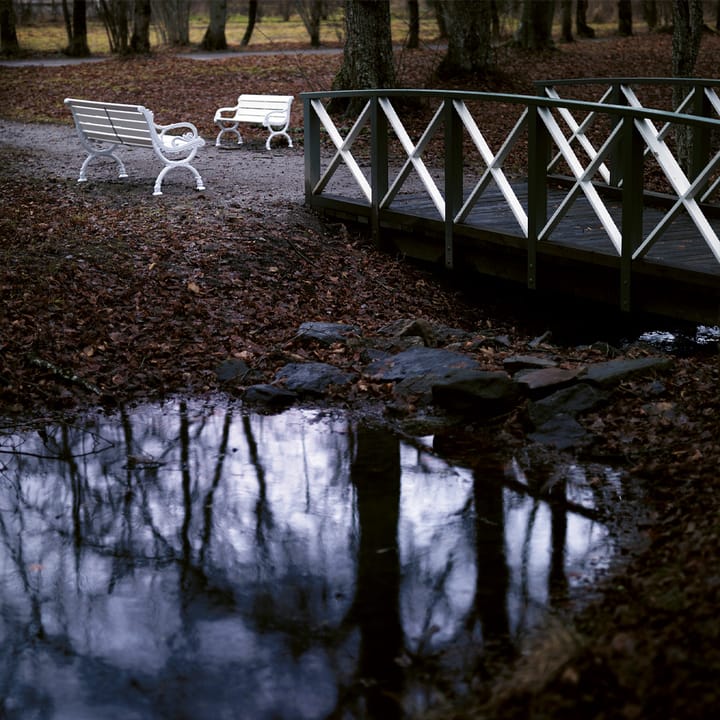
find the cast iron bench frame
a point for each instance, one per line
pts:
(270, 111)
(102, 127)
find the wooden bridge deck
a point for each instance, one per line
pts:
(678, 278)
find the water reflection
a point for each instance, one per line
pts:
(190, 561)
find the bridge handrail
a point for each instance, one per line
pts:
(634, 127)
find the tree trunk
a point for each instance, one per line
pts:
(214, 38)
(625, 18)
(566, 17)
(535, 32)
(140, 39)
(440, 17)
(76, 23)
(581, 27)
(310, 12)
(469, 27)
(367, 57)
(650, 14)
(252, 17)
(687, 33)
(413, 39)
(173, 20)
(9, 44)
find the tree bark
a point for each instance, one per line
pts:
(413, 39)
(469, 28)
(581, 26)
(650, 14)
(566, 17)
(625, 28)
(252, 18)
(76, 26)
(582, 29)
(367, 57)
(9, 44)
(687, 34)
(535, 32)
(310, 12)
(214, 38)
(140, 39)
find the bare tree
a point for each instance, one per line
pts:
(413, 39)
(140, 39)
(687, 34)
(469, 31)
(252, 18)
(566, 20)
(625, 18)
(76, 27)
(311, 12)
(582, 29)
(367, 57)
(8, 36)
(115, 17)
(535, 31)
(214, 38)
(650, 13)
(172, 18)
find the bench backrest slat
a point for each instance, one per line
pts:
(254, 108)
(114, 122)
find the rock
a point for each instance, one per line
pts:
(232, 369)
(614, 372)
(570, 401)
(326, 333)
(561, 431)
(478, 393)
(416, 370)
(269, 395)
(514, 363)
(539, 383)
(312, 378)
(420, 362)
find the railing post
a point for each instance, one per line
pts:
(538, 155)
(632, 205)
(700, 150)
(311, 124)
(453, 176)
(378, 166)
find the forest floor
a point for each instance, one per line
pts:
(110, 295)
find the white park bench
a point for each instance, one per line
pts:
(270, 111)
(103, 127)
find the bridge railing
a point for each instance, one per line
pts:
(456, 161)
(693, 96)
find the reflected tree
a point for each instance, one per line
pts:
(376, 475)
(492, 569)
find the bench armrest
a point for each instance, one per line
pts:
(229, 110)
(190, 137)
(279, 118)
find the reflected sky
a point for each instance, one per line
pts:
(187, 560)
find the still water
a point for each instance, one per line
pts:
(187, 560)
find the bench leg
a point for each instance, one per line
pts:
(122, 173)
(278, 132)
(158, 182)
(228, 128)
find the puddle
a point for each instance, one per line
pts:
(191, 561)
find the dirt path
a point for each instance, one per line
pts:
(245, 175)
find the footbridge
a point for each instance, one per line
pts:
(606, 189)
